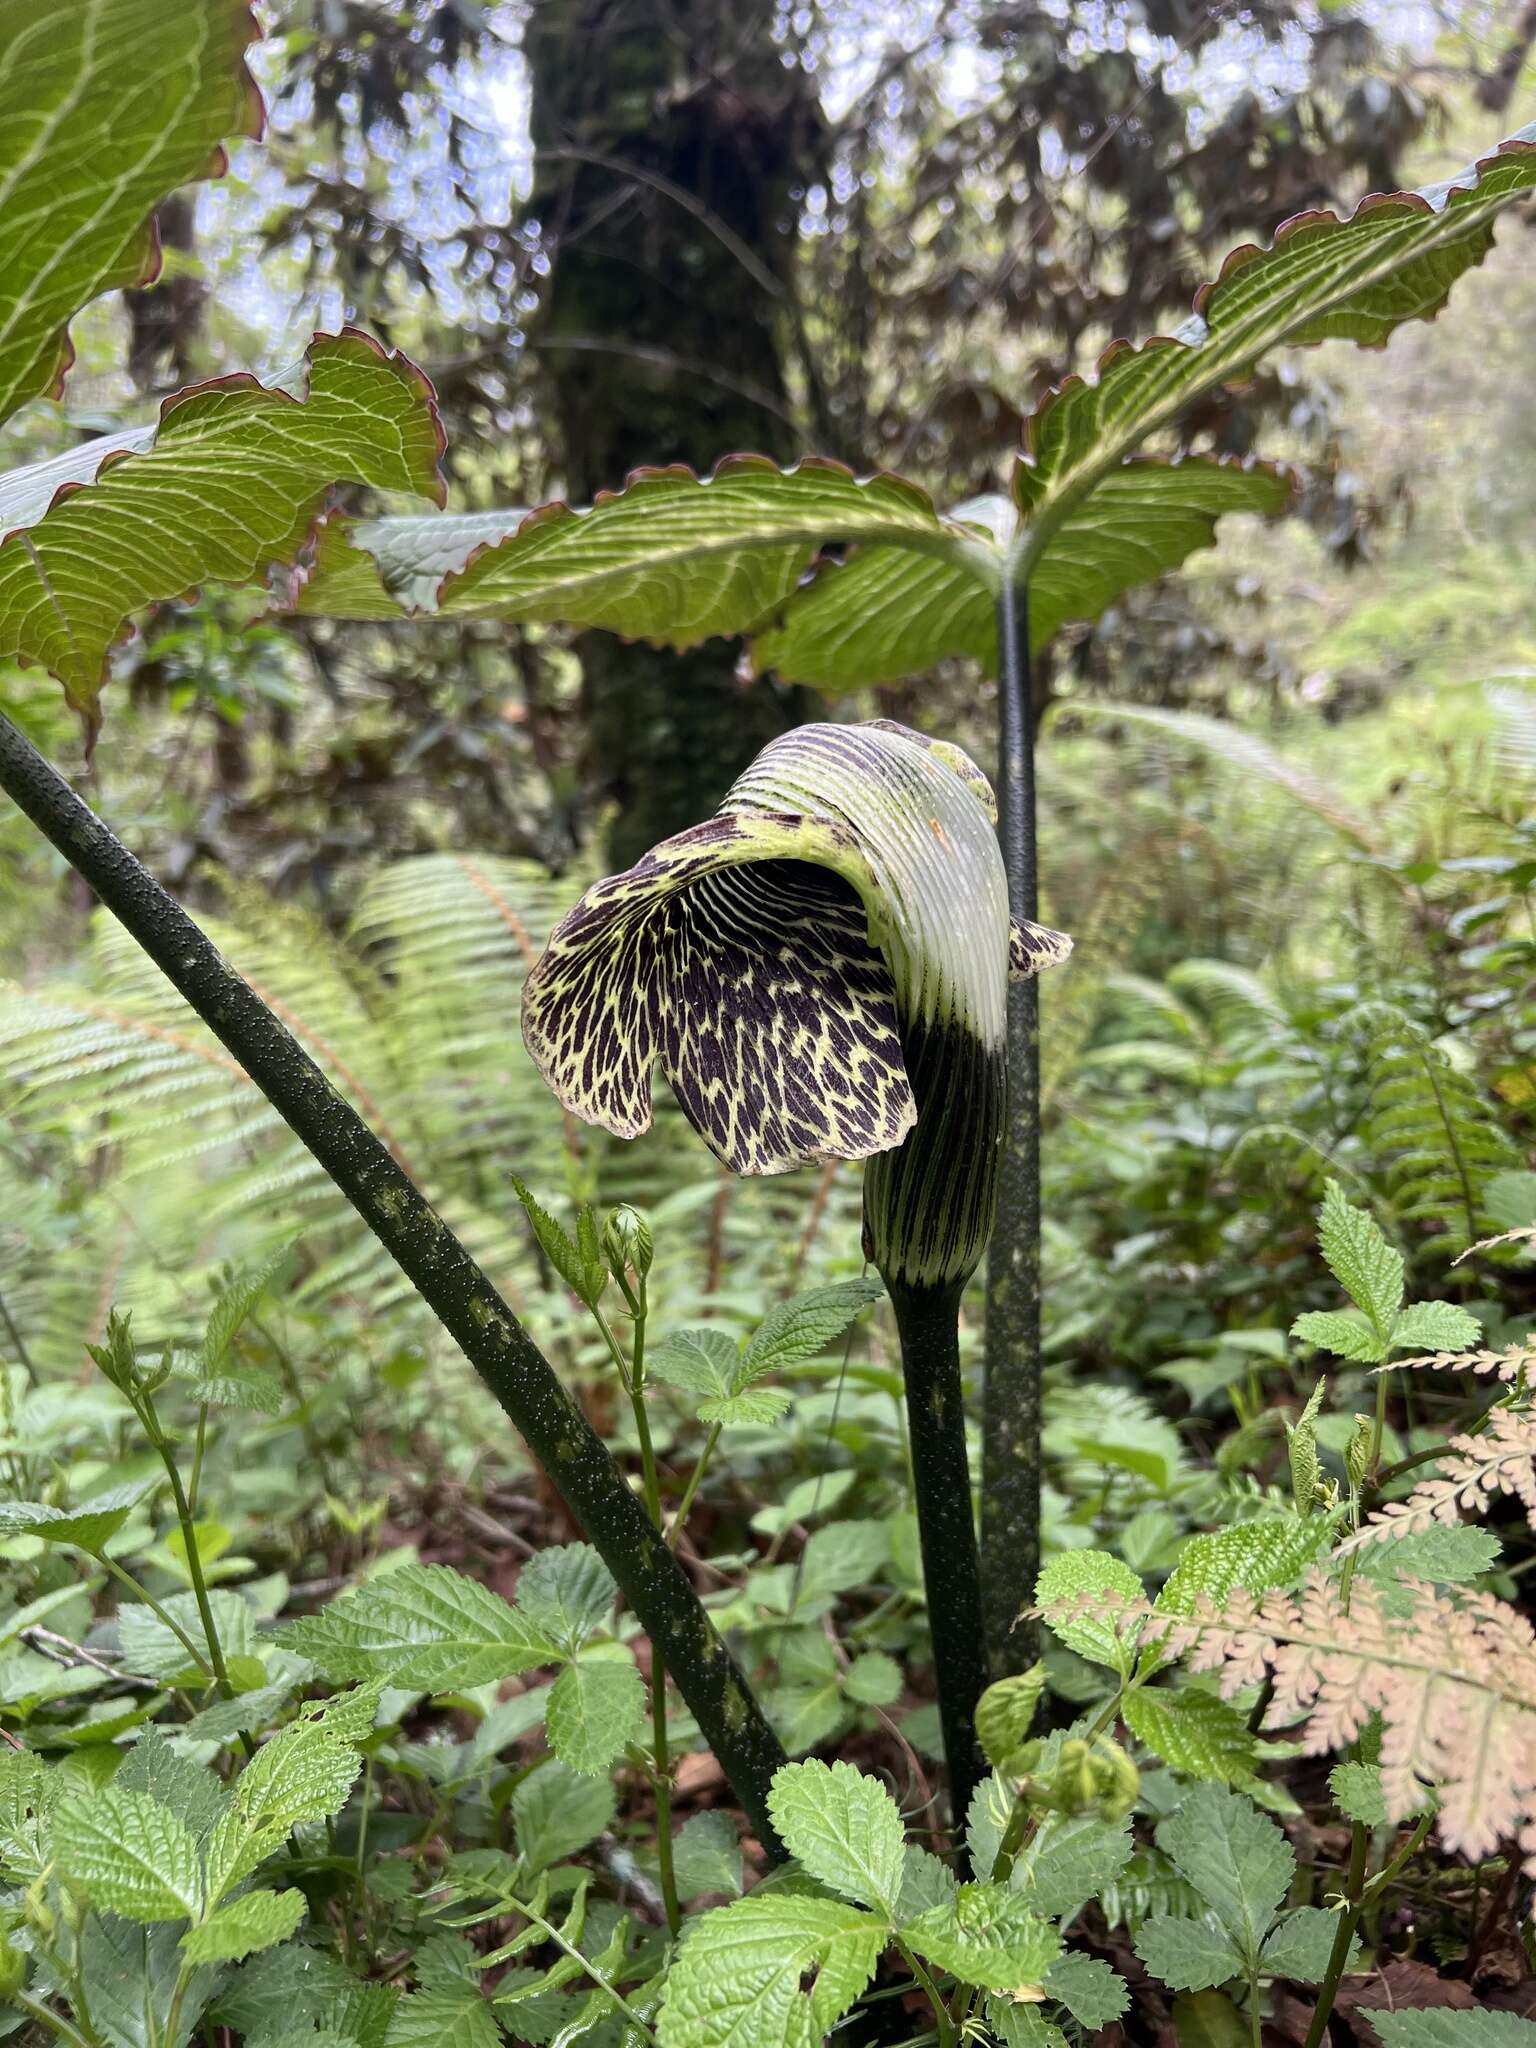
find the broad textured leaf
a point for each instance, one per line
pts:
(303, 1774)
(595, 1708)
(1445, 1555)
(1368, 1269)
(1236, 1859)
(699, 1361)
(1077, 1576)
(926, 1880)
(129, 1855)
(1346, 1336)
(236, 1301)
(1299, 1947)
(453, 2017)
(153, 1650)
(229, 478)
(1022, 2026)
(246, 1925)
(387, 568)
(556, 1811)
(88, 1526)
(986, 1935)
(1091, 1991)
(1070, 1860)
(1253, 1555)
(844, 1828)
(303, 1990)
(795, 1331)
(129, 1972)
(1195, 1732)
(1357, 1792)
(888, 614)
(1394, 259)
(758, 1407)
(776, 1970)
(1187, 1955)
(1005, 1712)
(1209, 2019)
(106, 106)
(566, 1594)
(1435, 1326)
(706, 1855)
(1441, 2029)
(421, 1627)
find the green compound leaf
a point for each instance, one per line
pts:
(797, 1331)
(595, 1708)
(1091, 1991)
(776, 1970)
(1346, 1336)
(245, 1926)
(699, 1361)
(1359, 1257)
(1022, 2025)
(1187, 1955)
(129, 1855)
(986, 1935)
(1435, 1326)
(1236, 1859)
(1195, 1732)
(1256, 1556)
(106, 106)
(454, 2016)
(90, 1525)
(1065, 1592)
(1394, 259)
(303, 1774)
(421, 1627)
(1071, 1859)
(844, 1829)
(1301, 1944)
(229, 478)
(566, 1594)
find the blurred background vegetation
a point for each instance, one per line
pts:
(1287, 799)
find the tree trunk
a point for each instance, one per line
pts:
(672, 144)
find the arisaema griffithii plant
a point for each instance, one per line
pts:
(675, 558)
(108, 106)
(820, 970)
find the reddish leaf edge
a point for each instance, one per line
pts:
(251, 126)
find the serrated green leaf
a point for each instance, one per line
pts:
(1022, 2025)
(1394, 259)
(795, 1331)
(1368, 1269)
(1445, 1555)
(1091, 1991)
(699, 1361)
(706, 1856)
(556, 1811)
(455, 2017)
(1005, 1712)
(595, 1707)
(873, 1679)
(1195, 1732)
(106, 107)
(579, 1263)
(926, 1881)
(174, 1779)
(1256, 1556)
(154, 1650)
(1437, 2028)
(1069, 1861)
(986, 1935)
(226, 1720)
(235, 1302)
(1187, 1955)
(757, 1408)
(844, 1829)
(1344, 1335)
(421, 1627)
(566, 1595)
(129, 1855)
(1103, 1637)
(1236, 1859)
(1300, 1945)
(229, 478)
(246, 1925)
(129, 1972)
(1435, 1326)
(1357, 1792)
(304, 1774)
(776, 1970)
(304, 1988)
(89, 1526)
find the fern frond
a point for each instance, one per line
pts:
(1474, 1469)
(1508, 1365)
(1526, 1235)
(1438, 1136)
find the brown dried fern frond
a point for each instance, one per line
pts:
(1525, 1235)
(1454, 1683)
(1507, 1365)
(1474, 1469)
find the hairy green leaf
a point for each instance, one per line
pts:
(986, 1935)
(1187, 1955)
(129, 1855)
(595, 1707)
(556, 1811)
(1005, 1712)
(1091, 1991)
(88, 1527)
(706, 1855)
(256, 1921)
(1253, 1555)
(1368, 1269)
(1236, 1859)
(776, 1970)
(801, 1329)
(843, 1827)
(1064, 1591)
(1195, 1732)
(421, 1626)
(1300, 1945)
(1437, 2028)
(1346, 1336)
(1435, 1326)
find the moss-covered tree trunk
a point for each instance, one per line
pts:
(673, 146)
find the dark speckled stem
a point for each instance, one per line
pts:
(927, 1321)
(436, 1264)
(1010, 1467)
